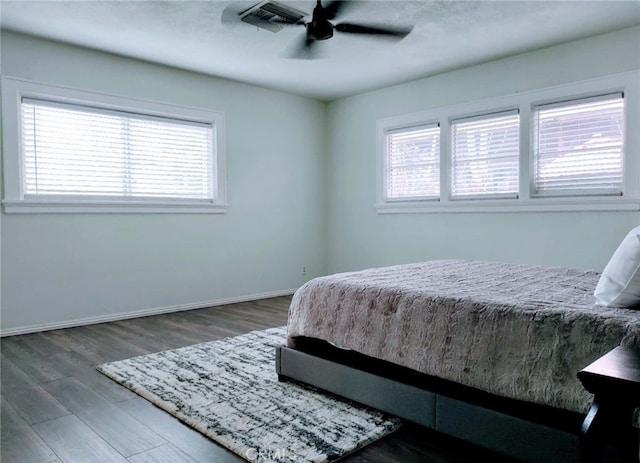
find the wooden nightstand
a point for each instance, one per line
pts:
(608, 432)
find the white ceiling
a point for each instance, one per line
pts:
(189, 34)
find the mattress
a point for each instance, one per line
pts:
(517, 331)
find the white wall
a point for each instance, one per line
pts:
(62, 268)
(291, 177)
(359, 237)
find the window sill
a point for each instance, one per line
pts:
(511, 205)
(110, 207)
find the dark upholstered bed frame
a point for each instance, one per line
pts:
(529, 432)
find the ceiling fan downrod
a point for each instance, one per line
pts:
(319, 28)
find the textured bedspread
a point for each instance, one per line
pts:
(513, 330)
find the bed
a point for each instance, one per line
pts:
(483, 351)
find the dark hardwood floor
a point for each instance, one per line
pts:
(57, 408)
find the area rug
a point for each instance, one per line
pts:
(229, 391)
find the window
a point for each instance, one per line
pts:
(83, 152)
(562, 148)
(80, 151)
(413, 162)
(578, 147)
(485, 156)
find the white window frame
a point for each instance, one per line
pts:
(564, 103)
(14, 90)
(390, 131)
(484, 117)
(628, 83)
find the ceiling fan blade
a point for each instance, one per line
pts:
(332, 9)
(306, 50)
(391, 32)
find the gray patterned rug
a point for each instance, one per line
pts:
(229, 391)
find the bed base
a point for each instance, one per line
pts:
(528, 432)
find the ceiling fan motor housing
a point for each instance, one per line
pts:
(319, 30)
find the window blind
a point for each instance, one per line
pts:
(578, 147)
(78, 151)
(485, 156)
(413, 162)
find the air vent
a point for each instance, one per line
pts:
(271, 16)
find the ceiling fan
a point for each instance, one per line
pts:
(275, 16)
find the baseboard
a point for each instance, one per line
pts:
(142, 313)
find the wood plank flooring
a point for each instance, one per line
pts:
(55, 407)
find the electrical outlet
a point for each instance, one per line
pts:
(304, 270)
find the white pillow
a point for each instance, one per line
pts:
(619, 284)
